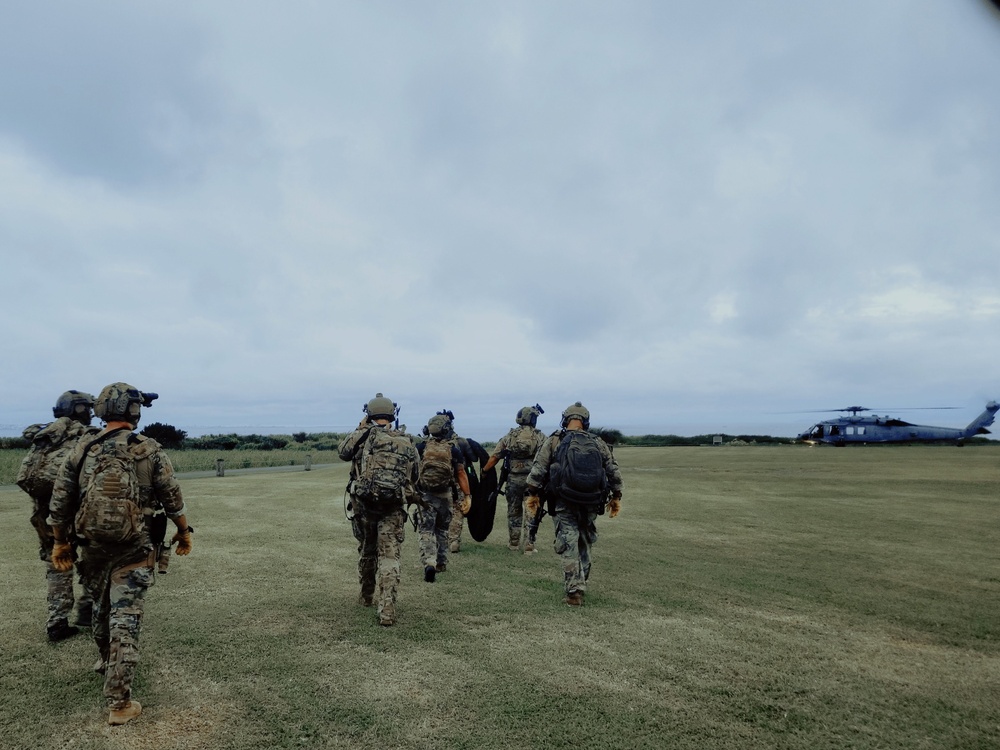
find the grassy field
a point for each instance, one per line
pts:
(745, 598)
(197, 460)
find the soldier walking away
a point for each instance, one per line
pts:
(442, 474)
(112, 497)
(517, 450)
(51, 444)
(471, 453)
(384, 470)
(577, 471)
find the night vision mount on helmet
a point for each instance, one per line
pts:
(73, 403)
(439, 426)
(528, 415)
(121, 400)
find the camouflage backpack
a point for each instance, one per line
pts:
(110, 510)
(436, 472)
(577, 472)
(523, 443)
(385, 469)
(50, 447)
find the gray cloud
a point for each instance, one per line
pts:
(691, 218)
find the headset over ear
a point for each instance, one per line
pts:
(381, 407)
(576, 411)
(122, 401)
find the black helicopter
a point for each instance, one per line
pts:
(871, 428)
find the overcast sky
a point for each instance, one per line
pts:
(693, 217)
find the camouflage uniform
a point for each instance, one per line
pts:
(517, 479)
(117, 576)
(59, 438)
(434, 520)
(379, 531)
(457, 517)
(576, 531)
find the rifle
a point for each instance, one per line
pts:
(504, 473)
(158, 535)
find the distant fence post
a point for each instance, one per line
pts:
(220, 467)
(309, 462)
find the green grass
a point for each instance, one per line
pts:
(745, 598)
(199, 460)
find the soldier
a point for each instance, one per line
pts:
(384, 470)
(471, 452)
(442, 469)
(517, 449)
(114, 494)
(50, 445)
(577, 471)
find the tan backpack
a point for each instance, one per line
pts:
(110, 511)
(436, 473)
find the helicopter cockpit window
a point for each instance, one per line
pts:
(834, 429)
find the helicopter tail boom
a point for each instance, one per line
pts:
(979, 424)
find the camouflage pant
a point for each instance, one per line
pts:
(118, 587)
(59, 586)
(433, 523)
(457, 521)
(59, 594)
(514, 492)
(380, 537)
(576, 534)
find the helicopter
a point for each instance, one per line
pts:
(870, 428)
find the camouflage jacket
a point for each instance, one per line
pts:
(539, 475)
(158, 487)
(351, 449)
(521, 434)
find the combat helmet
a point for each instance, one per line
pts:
(450, 428)
(576, 411)
(528, 415)
(439, 426)
(121, 401)
(381, 407)
(74, 404)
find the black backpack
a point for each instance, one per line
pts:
(577, 472)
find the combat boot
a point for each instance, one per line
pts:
(455, 547)
(429, 573)
(574, 598)
(441, 567)
(529, 548)
(119, 716)
(60, 631)
(84, 615)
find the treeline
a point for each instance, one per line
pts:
(615, 437)
(173, 438)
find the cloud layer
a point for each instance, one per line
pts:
(690, 218)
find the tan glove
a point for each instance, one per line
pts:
(614, 507)
(466, 505)
(531, 504)
(183, 540)
(62, 556)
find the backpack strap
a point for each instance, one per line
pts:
(96, 441)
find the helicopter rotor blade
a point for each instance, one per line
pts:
(856, 409)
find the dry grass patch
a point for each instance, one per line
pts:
(746, 597)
